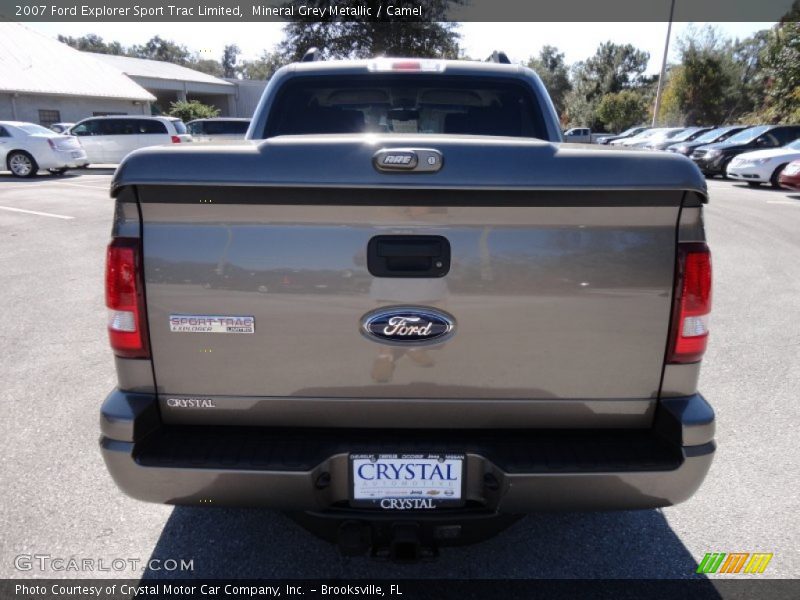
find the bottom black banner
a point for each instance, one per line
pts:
(400, 589)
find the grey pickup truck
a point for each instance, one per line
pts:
(404, 313)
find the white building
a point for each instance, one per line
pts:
(169, 82)
(45, 81)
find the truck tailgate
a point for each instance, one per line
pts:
(557, 294)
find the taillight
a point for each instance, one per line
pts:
(692, 304)
(389, 64)
(127, 326)
(176, 139)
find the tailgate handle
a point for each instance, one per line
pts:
(408, 256)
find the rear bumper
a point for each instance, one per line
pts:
(59, 159)
(791, 182)
(714, 166)
(508, 471)
(748, 174)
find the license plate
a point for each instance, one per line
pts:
(407, 481)
(77, 154)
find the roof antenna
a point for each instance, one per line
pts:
(500, 57)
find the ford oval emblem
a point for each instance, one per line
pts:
(408, 325)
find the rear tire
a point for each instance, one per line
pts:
(724, 169)
(21, 164)
(773, 181)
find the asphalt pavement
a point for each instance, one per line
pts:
(56, 368)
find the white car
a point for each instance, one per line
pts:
(110, 139)
(639, 138)
(61, 127)
(218, 128)
(658, 135)
(763, 166)
(25, 148)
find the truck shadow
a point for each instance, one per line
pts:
(255, 543)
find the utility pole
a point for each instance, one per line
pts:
(663, 65)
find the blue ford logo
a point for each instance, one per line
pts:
(407, 325)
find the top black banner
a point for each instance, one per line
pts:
(401, 10)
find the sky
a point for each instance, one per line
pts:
(578, 41)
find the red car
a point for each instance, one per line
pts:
(790, 176)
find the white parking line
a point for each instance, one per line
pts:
(82, 185)
(789, 202)
(35, 212)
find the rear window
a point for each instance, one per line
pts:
(33, 129)
(119, 126)
(406, 103)
(152, 126)
(179, 125)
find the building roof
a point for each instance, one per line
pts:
(31, 62)
(156, 69)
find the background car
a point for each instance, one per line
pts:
(720, 134)
(61, 127)
(660, 134)
(219, 128)
(578, 135)
(26, 147)
(713, 159)
(639, 138)
(607, 139)
(110, 139)
(790, 176)
(686, 135)
(763, 166)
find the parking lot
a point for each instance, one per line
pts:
(56, 369)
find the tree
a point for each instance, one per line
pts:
(157, 48)
(206, 65)
(613, 67)
(706, 89)
(229, 57)
(552, 70)
(748, 57)
(193, 109)
(622, 110)
(92, 43)
(781, 59)
(264, 67)
(670, 112)
(427, 36)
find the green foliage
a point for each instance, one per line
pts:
(781, 59)
(92, 43)
(553, 71)
(264, 67)
(707, 88)
(206, 65)
(157, 48)
(613, 68)
(229, 57)
(193, 109)
(622, 110)
(428, 36)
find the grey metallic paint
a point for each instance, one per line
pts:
(609, 218)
